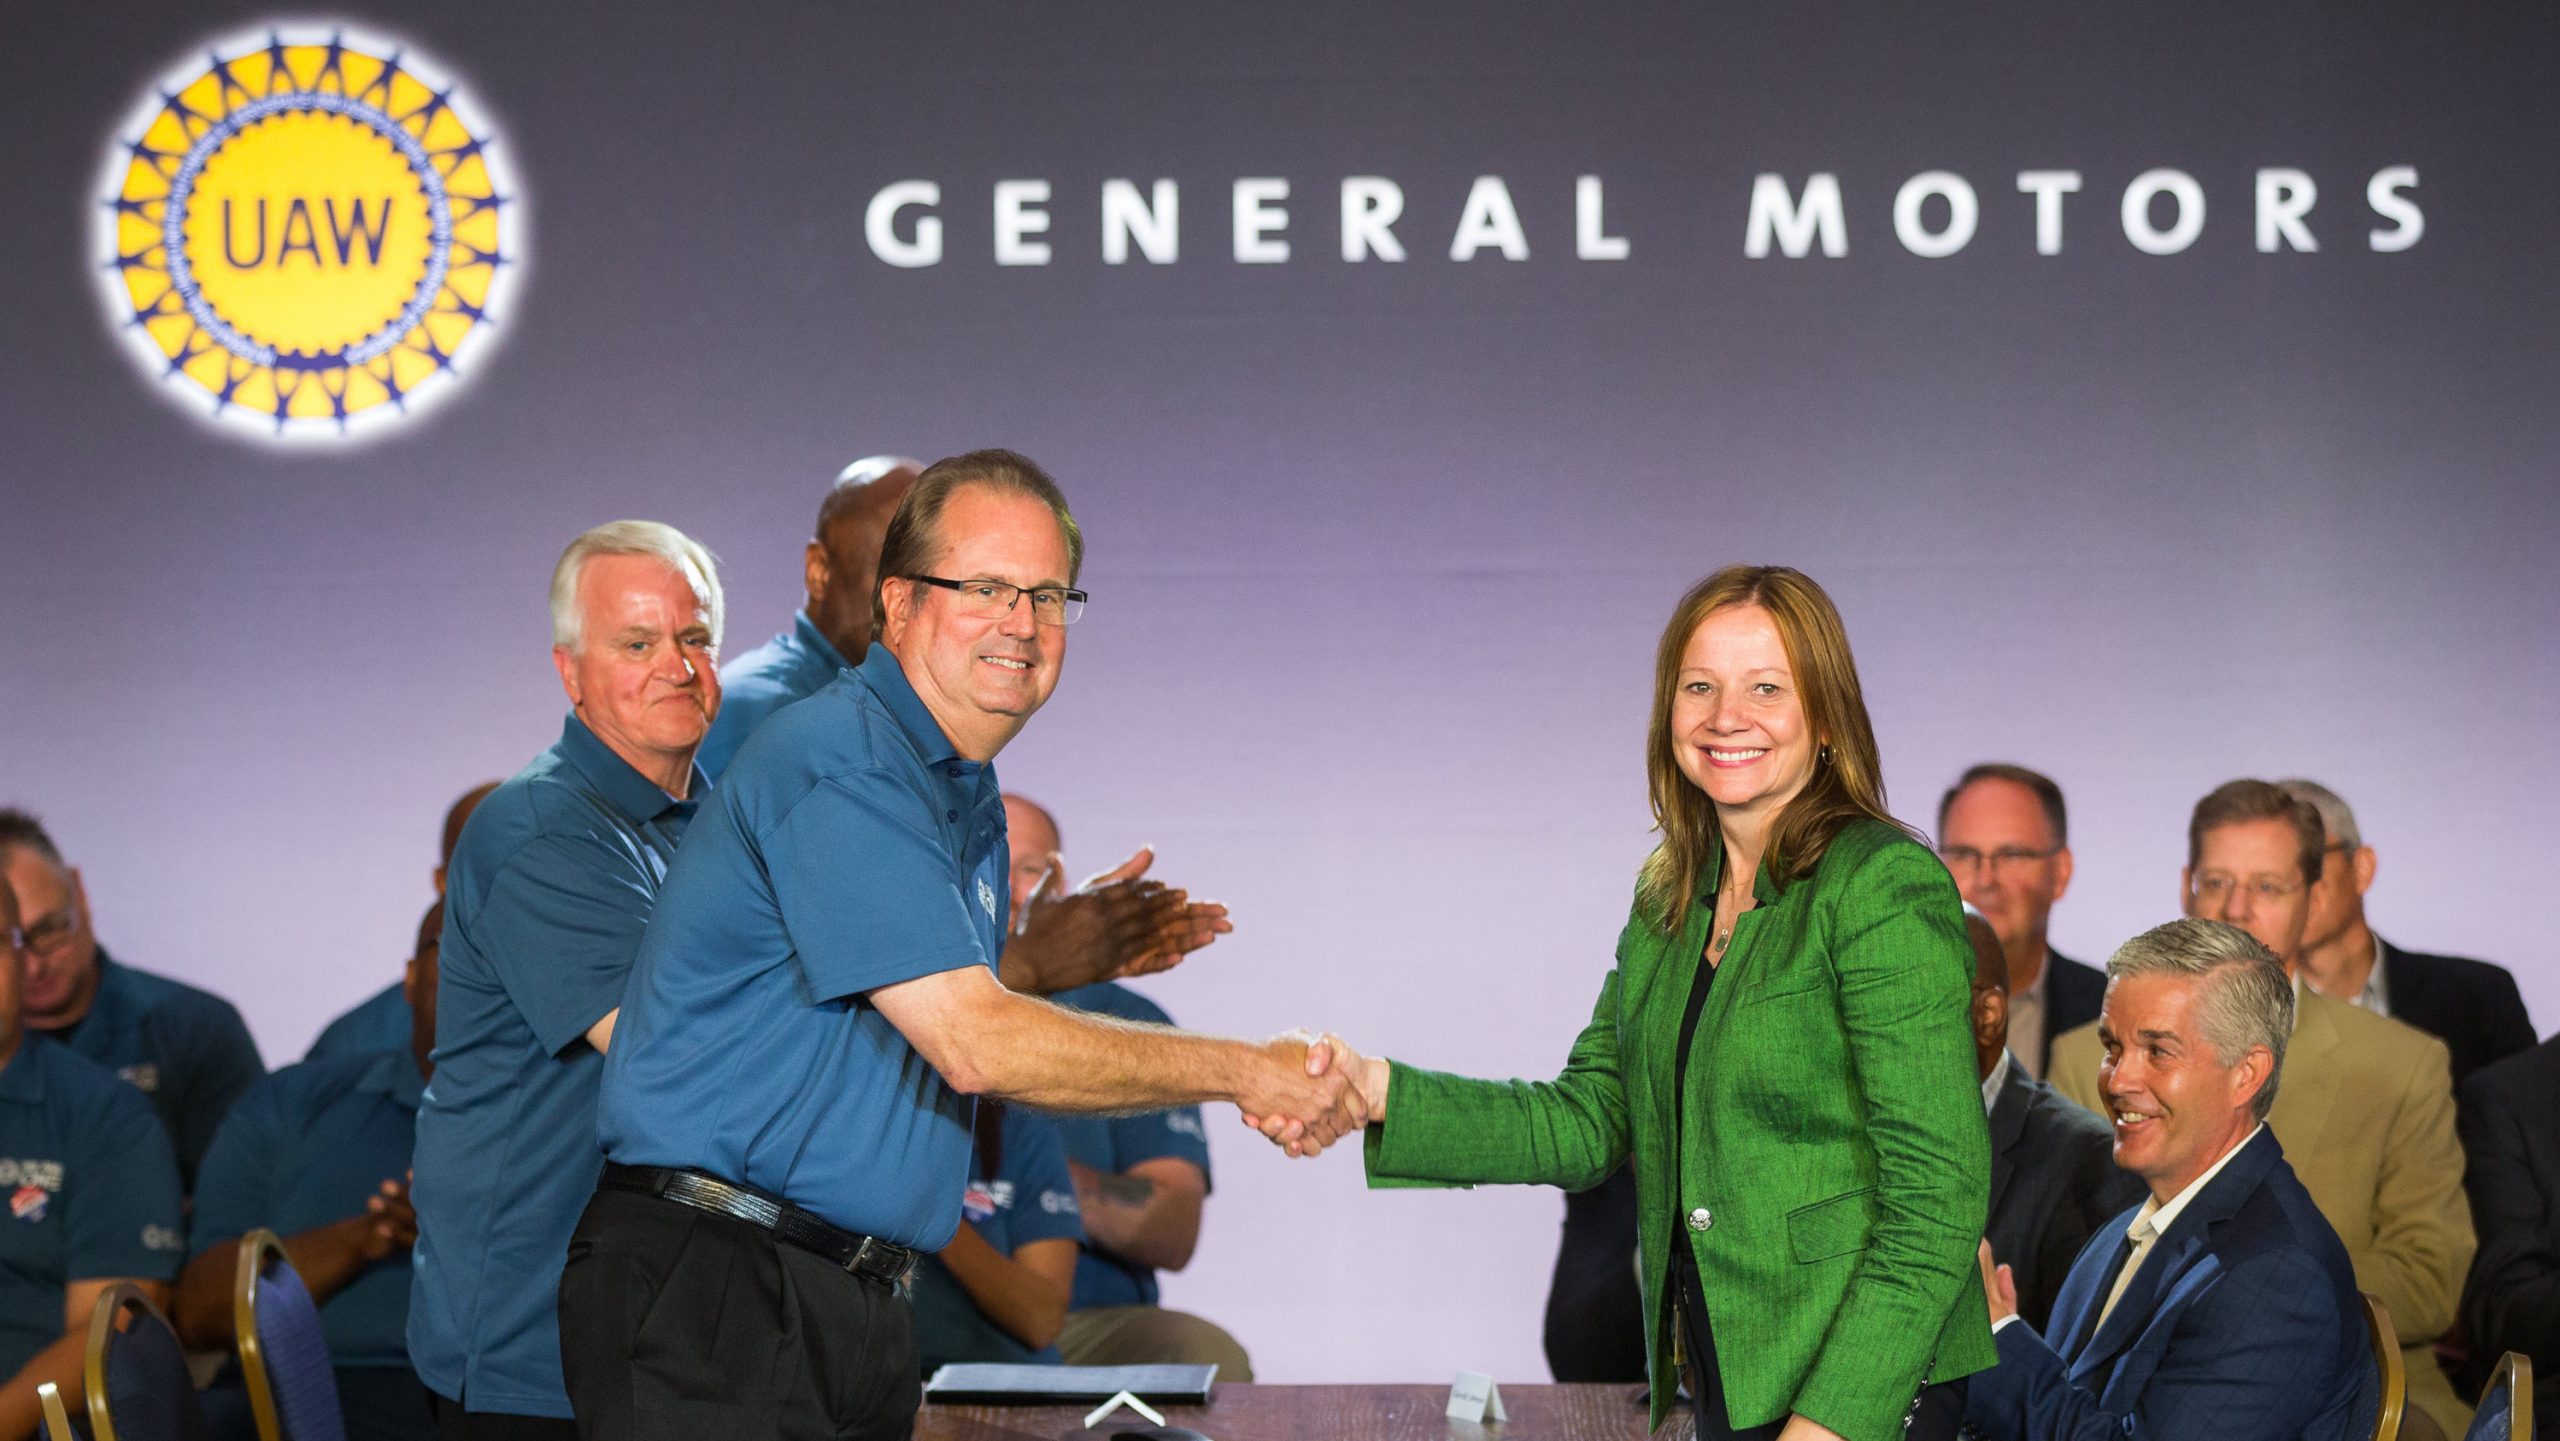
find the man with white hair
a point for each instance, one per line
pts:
(2223, 1308)
(546, 898)
(2471, 1006)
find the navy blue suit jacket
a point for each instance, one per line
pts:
(2243, 1324)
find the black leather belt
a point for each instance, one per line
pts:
(865, 1256)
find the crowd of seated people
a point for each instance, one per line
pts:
(2444, 1212)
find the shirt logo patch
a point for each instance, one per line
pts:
(987, 897)
(162, 1238)
(143, 1075)
(29, 1202)
(976, 1204)
(1059, 1203)
(43, 1175)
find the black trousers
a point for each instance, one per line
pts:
(455, 1424)
(678, 1324)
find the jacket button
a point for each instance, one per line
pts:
(1701, 1219)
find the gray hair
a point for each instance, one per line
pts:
(2336, 816)
(682, 553)
(2248, 997)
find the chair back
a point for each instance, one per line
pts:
(293, 1391)
(2506, 1408)
(136, 1374)
(57, 1421)
(2386, 1359)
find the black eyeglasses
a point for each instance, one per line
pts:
(989, 599)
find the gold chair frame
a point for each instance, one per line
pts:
(2395, 1375)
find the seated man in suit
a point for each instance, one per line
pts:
(2367, 1119)
(2512, 1130)
(2054, 1180)
(2005, 837)
(2471, 1006)
(2224, 1306)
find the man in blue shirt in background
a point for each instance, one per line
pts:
(184, 1048)
(381, 1022)
(93, 1199)
(549, 893)
(1141, 1181)
(786, 1114)
(319, 1154)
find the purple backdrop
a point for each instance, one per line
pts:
(1378, 548)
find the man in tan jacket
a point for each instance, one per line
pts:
(2366, 1111)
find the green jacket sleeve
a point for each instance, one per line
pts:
(1904, 981)
(1444, 1130)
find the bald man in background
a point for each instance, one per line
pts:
(1141, 1180)
(1117, 924)
(833, 628)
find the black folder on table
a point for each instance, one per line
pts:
(982, 1384)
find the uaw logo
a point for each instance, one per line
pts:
(310, 235)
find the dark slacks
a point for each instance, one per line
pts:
(678, 1324)
(455, 1424)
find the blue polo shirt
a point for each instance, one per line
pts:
(792, 666)
(545, 902)
(848, 848)
(1116, 1143)
(378, 1023)
(1031, 1196)
(186, 1049)
(305, 1148)
(92, 1191)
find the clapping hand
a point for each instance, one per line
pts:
(1116, 925)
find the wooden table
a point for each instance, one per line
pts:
(1331, 1413)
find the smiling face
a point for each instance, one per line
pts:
(2250, 874)
(982, 677)
(2012, 867)
(2175, 1104)
(1737, 722)
(644, 675)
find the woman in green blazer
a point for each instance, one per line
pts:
(1783, 1049)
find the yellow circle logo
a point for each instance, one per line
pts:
(310, 236)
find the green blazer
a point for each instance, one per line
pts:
(1828, 1163)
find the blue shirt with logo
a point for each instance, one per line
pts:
(91, 1187)
(306, 1148)
(1116, 1143)
(1031, 1196)
(186, 1049)
(792, 666)
(545, 901)
(848, 848)
(378, 1023)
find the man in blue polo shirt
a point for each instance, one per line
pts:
(184, 1048)
(93, 1198)
(786, 1112)
(1117, 924)
(1142, 1180)
(381, 1022)
(319, 1154)
(835, 623)
(547, 898)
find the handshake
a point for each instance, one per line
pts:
(1309, 1091)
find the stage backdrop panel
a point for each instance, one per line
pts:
(2164, 395)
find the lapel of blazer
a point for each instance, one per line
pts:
(2188, 1242)
(2303, 1092)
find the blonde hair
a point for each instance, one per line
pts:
(1847, 783)
(682, 553)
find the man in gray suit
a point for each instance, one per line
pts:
(2054, 1180)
